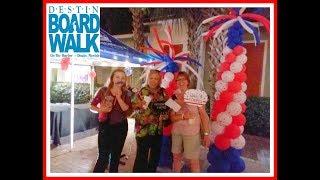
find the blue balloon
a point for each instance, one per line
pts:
(220, 166)
(241, 31)
(233, 33)
(167, 58)
(214, 150)
(165, 139)
(165, 154)
(210, 169)
(238, 165)
(232, 154)
(230, 30)
(172, 67)
(214, 154)
(237, 40)
(212, 157)
(231, 44)
(237, 25)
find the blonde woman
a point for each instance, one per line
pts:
(115, 106)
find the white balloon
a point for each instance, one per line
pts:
(164, 83)
(212, 136)
(217, 95)
(234, 108)
(241, 129)
(242, 59)
(238, 143)
(244, 51)
(217, 128)
(224, 119)
(236, 67)
(240, 97)
(222, 59)
(218, 67)
(227, 76)
(243, 86)
(168, 76)
(226, 50)
(221, 86)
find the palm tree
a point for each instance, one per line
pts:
(193, 18)
(138, 40)
(215, 49)
(137, 24)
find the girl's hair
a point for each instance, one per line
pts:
(185, 75)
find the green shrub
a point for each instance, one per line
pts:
(258, 116)
(61, 93)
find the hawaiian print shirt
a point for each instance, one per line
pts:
(144, 126)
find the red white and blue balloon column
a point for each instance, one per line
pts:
(229, 106)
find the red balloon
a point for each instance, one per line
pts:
(171, 88)
(232, 131)
(234, 86)
(220, 106)
(219, 74)
(244, 68)
(240, 77)
(239, 120)
(226, 96)
(214, 115)
(225, 66)
(237, 50)
(175, 75)
(167, 130)
(244, 107)
(222, 142)
(230, 58)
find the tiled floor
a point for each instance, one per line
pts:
(82, 157)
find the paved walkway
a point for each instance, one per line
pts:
(82, 157)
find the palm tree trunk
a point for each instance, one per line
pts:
(137, 24)
(214, 51)
(138, 42)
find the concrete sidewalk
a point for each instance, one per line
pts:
(82, 158)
